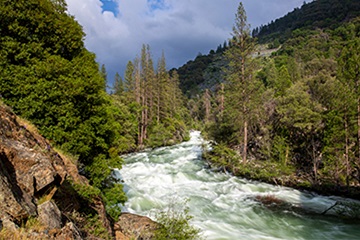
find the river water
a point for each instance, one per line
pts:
(223, 206)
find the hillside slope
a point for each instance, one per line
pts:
(43, 196)
(316, 14)
(205, 71)
(38, 186)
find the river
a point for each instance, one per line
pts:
(223, 206)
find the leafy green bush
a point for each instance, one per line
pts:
(87, 192)
(113, 197)
(175, 223)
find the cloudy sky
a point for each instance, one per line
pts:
(116, 29)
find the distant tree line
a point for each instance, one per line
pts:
(312, 15)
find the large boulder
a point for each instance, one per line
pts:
(28, 168)
(49, 215)
(69, 231)
(132, 226)
(31, 171)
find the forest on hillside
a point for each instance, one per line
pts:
(49, 78)
(291, 118)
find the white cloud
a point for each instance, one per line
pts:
(182, 28)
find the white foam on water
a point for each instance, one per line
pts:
(223, 206)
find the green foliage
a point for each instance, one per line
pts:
(301, 108)
(49, 78)
(280, 150)
(175, 223)
(98, 171)
(224, 158)
(87, 192)
(96, 228)
(113, 196)
(221, 156)
(315, 14)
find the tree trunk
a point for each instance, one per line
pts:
(286, 155)
(158, 107)
(222, 100)
(358, 132)
(207, 105)
(347, 151)
(315, 160)
(245, 142)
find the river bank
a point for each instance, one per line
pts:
(224, 206)
(275, 173)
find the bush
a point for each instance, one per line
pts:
(175, 223)
(87, 192)
(114, 196)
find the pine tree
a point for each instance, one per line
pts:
(163, 92)
(118, 85)
(129, 85)
(243, 88)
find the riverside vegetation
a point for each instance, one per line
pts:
(292, 118)
(289, 115)
(49, 78)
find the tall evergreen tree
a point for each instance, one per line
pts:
(129, 85)
(118, 85)
(243, 88)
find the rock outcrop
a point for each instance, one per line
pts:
(29, 168)
(132, 226)
(36, 186)
(32, 172)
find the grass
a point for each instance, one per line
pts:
(31, 230)
(95, 227)
(225, 158)
(67, 157)
(28, 125)
(47, 197)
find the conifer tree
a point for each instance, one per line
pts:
(243, 88)
(118, 85)
(129, 85)
(162, 90)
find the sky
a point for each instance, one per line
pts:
(116, 29)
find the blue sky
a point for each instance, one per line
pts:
(111, 6)
(116, 29)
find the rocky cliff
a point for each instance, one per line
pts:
(38, 193)
(36, 185)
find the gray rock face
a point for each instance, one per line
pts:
(69, 232)
(28, 168)
(49, 215)
(31, 170)
(132, 226)
(15, 202)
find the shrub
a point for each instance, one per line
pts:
(175, 223)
